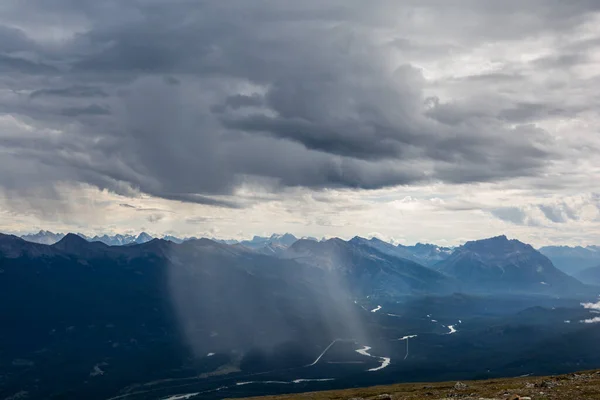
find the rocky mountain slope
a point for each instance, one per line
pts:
(368, 271)
(500, 264)
(424, 254)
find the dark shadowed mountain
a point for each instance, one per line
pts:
(76, 245)
(14, 247)
(213, 273)
(499, 264)
(572, 260)
(219, 284)
(367, 270)
(424, 254)
(139, 310)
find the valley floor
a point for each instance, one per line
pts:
(577, 386)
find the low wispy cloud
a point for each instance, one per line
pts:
(595, 307)
(76, 91)
(155, 218)
(510, 214)
(591, 320)
(591, 306)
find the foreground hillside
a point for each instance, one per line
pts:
(580, 386)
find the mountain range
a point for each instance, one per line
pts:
(493, 263)
(580, 262)
(47, 237)
(573, 260)
(425, 254)
(43, 237)
(96, 320)
(367, 271)
(275, 244)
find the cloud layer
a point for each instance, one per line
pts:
(203, 101)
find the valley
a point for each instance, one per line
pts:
(209, 320)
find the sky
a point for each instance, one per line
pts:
(430, 120)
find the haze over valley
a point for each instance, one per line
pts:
(277, 314)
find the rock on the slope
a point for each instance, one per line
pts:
(460, 386)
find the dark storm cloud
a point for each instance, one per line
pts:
(510, 214)
(172, 81)
(561, 61)
(318, 137)
(18, 65)
(199, 98)
(199, 199)
(13, 39)
(553, 214)
(494, 77)
(525, 112)
(559, 213)
(78, 91)
(93, 109)
(515, 215)
(240, 100)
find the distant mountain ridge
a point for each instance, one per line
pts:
(43, 237)
(575, 261)
(273, 245)
(425, 254)
(372, 266)
(367, 270)
(572, 260)
(47, 237)
(503, 265)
